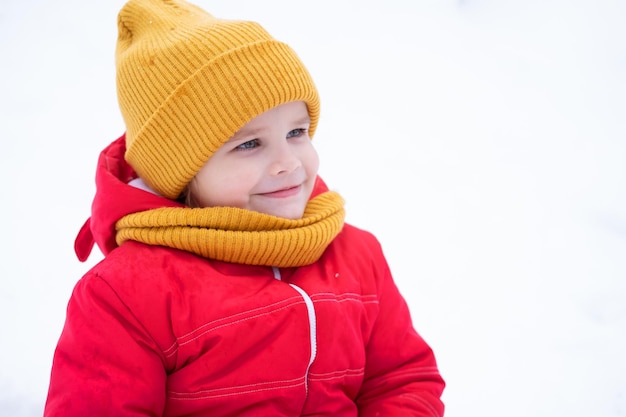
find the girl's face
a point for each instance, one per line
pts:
(268, 166)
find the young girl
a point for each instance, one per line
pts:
(230, 285)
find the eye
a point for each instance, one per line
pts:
(296, 133)
(251, 144)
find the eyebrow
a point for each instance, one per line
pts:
(303, 120)
(254, 132)
(244, 132)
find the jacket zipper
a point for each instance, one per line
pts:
(312, 325)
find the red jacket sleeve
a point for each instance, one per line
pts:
(401, 374)
(105, 363)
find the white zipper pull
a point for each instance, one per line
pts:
(276, 272)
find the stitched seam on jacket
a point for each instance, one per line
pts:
(206, 328)
(243, 389)
(337, 374)
(326, 297)
(421, 371)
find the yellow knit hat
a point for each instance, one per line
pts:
(187, 81)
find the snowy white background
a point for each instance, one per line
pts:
(483, 141)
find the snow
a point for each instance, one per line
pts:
(482, 141)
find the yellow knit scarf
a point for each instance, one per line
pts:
(240, 236)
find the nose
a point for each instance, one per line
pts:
(285, 159)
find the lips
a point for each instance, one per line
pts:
(284, 192)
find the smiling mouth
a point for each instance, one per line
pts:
(285, 192)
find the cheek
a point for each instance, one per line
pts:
(207, 185)
(224, 186)
(201, 190)
(312, 161)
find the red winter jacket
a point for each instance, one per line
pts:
(155, 331)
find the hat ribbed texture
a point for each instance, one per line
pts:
(187, 81)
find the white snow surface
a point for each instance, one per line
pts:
(482, 141)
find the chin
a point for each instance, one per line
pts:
(287, 213)
(293, 210)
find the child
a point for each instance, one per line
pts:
(231, 285)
